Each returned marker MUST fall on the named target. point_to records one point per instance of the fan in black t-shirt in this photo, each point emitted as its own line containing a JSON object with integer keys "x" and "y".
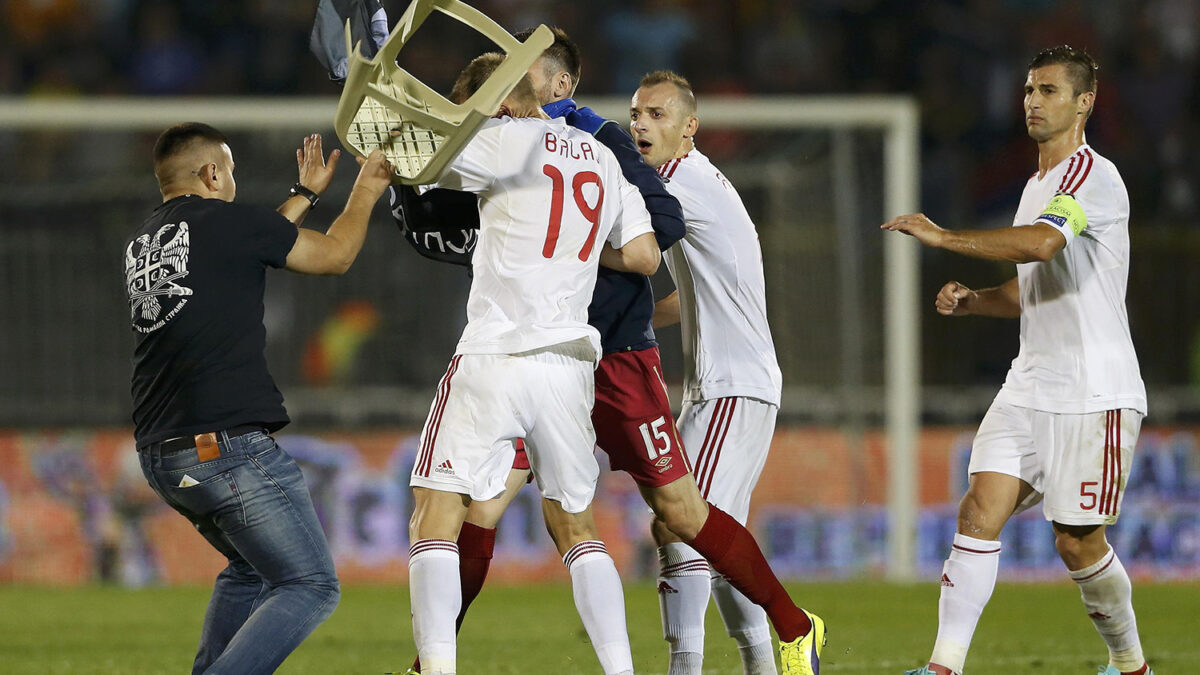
{"x": 195, "y": 273}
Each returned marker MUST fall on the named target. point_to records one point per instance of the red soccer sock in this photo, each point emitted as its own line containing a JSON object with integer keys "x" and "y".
{"x": 731, "y": 550}
{"x": 475, "y": 547}
{"x": 1140, "y": 671}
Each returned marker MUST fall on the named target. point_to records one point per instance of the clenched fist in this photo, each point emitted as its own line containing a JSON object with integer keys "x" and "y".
{"x": 954, "y": 300}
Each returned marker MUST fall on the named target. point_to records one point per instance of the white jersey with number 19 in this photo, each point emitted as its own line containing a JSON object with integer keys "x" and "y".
{"x": 550, "y": 196}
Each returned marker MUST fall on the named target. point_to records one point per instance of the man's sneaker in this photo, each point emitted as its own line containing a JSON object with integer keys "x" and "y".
{"x": 928, "y": 670}
{"x": 802, "y": 656}
{"x": 1112, "y": 670}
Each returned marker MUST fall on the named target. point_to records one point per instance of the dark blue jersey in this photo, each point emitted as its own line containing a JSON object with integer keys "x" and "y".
{"x": 438, "y": 224}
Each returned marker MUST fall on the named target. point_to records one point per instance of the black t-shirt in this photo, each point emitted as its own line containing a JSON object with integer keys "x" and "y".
{"x": 195, "y": 273}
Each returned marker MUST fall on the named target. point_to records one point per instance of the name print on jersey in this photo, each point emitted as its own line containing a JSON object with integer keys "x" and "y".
{"x": 153, "y": 265}
{"x": 566, "y": 148}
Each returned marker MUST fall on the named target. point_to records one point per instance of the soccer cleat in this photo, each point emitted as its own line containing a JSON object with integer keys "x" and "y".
{"x": 802, "y": 656}
{"x": 928, "y": 670}
{"x": 1112, "y": 670}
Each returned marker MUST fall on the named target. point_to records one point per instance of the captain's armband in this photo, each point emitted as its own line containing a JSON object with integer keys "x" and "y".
{"x": 1065, "y": 215}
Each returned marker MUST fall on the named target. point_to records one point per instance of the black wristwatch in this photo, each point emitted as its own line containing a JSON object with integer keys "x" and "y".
{"x": 311, "y": 196}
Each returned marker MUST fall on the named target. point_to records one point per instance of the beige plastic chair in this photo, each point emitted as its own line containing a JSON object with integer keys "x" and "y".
{"x": 380, "y": 97}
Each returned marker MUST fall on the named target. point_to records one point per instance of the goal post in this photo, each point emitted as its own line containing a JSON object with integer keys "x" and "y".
{"x": 896, "y": 119}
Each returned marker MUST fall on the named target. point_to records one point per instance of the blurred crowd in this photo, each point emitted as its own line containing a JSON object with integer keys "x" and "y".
{"x": 963, "y": 59}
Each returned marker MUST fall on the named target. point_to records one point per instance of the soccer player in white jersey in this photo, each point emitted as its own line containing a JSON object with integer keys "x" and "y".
{"x": 1065, "y": 423}
{"x": 731, "y": 382}
{"x": 552, "y": 201}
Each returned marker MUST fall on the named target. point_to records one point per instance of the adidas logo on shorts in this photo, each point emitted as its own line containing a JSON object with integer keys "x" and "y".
{"x": 946, "y": 581}
{"x": 445, "y": 468}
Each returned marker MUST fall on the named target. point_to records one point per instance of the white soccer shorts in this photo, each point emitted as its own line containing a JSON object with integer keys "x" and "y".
{"x": 487, "y": 401}
{"x": 727, "y": 441}
{"x": 1078, "y": 463}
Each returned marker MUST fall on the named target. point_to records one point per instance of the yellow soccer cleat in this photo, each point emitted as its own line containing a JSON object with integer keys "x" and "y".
{"x": 802, "y": 656}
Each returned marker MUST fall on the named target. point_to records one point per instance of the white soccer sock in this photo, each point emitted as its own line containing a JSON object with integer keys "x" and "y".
{"x": 683, "y": 588}
{"x": 747, "y": 624}
{"x": 601, "y": 604}
{"x": 1108, "y": 597}
{"x": 968, "y": 578}
{"x": 435, "y": 597}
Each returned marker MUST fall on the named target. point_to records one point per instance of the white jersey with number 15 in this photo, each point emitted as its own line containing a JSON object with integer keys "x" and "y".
{"x": 550, "y": 196}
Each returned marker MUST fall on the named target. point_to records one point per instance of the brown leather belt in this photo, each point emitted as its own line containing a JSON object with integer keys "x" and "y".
{"x": 206, "y": 444}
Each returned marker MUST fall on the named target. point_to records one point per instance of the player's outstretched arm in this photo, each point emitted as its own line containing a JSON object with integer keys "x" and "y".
{"x": 666, "y": 311}
{"x": 955, "y": 299}
{"x": 640, "y": 256}
{"x": 1022, "y": 244}
{"x": 334, "y": 251}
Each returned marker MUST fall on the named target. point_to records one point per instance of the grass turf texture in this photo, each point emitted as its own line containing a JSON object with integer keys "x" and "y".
{"x": 533, "y": 630}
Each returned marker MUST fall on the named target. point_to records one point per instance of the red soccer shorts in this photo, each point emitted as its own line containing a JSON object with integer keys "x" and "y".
{"x": 633, "y": 420}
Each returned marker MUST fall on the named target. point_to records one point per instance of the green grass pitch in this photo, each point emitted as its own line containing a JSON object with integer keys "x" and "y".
{"x": 533, "y": 630}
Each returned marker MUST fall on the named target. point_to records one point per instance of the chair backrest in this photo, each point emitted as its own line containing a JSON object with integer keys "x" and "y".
{"x": 380, "y": 97}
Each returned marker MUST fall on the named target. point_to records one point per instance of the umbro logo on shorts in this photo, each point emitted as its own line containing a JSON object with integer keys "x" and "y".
{"x": 445, "y": 468}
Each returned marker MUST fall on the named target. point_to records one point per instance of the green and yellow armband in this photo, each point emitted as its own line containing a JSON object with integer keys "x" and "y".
{"x": 1064, "y": 212}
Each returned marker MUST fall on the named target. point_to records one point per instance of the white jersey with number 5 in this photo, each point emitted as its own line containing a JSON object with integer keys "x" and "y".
{"x": 550, "y": 196}
{"x": 1076, "y": 352}
{"x": 718, "y": 270}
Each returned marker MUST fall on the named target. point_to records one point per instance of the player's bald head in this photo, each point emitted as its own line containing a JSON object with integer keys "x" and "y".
{"x": 477, "y": 72}
{"x": 184, "y": 148}
{"x": 686, "y": 98}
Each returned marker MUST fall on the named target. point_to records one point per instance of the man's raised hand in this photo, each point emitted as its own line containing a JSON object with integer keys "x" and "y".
{"x": 315, "y": 173}
{"x": 375, "y": 173}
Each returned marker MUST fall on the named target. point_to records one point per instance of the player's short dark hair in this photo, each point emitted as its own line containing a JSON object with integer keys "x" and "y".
{"x": 670, "y": 77}
{"x": 178, "y": 138}
{"x": 1081, "y": 67}
{"x": 478, "y": 71}
{"x": 563, "y": 52}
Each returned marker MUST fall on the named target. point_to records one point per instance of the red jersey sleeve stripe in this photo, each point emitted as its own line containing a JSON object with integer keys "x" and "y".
{"x": 1087, "y": 168}
{"x": 674, "y": 166}
{"x": 1062, "y": 184}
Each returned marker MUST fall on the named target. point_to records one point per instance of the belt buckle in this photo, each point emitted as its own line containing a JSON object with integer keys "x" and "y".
{"x": 206, "y": 446}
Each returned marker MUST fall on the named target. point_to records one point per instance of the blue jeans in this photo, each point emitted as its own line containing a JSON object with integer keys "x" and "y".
{"x": 252, "y": 505}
